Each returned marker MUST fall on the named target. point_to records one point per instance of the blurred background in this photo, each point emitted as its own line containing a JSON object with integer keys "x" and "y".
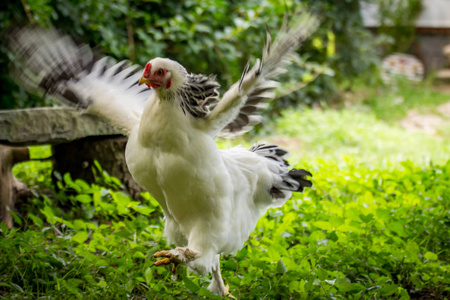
{"x": 384, "y": 61}
{"x": 218, "y": 37}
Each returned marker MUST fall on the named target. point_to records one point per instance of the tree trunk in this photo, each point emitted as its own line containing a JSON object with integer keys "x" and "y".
{"x": 77, "y": 158}
{"x": 10, "y": 188}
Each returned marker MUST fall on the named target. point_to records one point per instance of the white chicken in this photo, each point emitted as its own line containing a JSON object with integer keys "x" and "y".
{"x": 211, "y": 198}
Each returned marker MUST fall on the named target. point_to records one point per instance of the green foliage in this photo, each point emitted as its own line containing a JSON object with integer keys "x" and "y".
{"x": 37, "y": 173}
{"x": 355, "y": 52}
{"x": 84, "y": 243}
{"x": 374, "y": 226}
{"x": 209, "y": 37}
{"x": 359, "y": 233}
{"x": 397, "y": 19}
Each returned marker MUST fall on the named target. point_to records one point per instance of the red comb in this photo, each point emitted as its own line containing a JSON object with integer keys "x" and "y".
{"x": 147, "y": 69}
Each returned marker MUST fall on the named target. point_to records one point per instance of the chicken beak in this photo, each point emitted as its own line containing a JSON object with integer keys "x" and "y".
{"x": 144, "y": 80}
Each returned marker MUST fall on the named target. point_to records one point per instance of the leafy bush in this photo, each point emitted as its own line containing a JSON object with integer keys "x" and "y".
{"x": 209, "y": 37}
{"x": 359, "y": 232}
{"x": 397, "y": 21}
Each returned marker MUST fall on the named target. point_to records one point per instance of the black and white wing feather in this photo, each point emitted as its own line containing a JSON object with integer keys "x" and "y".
{"x": 240, "y": 107}
{"x": 54, "y": 64}
{"x": 250, "y": 113}
{"x": 199, "y": 94}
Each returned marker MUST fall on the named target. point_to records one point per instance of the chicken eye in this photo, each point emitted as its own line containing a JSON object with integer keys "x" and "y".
{"x": 160, "y": 72}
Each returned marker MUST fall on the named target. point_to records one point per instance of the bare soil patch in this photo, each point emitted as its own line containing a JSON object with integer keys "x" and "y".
{"x": 427, "y": 123}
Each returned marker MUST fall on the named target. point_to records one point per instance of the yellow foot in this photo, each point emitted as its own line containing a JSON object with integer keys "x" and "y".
{"x": 167, "y": 260}
{"x": 176, "y": 256}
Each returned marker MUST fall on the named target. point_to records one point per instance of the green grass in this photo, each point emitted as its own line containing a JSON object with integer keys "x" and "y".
{"x": 393, "y": 103}
{"x": 374, "y": 226}
{"x": 333, "y": 135}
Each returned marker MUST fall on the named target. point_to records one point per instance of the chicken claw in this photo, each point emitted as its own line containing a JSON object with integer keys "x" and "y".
{"x": 176, "y": 256}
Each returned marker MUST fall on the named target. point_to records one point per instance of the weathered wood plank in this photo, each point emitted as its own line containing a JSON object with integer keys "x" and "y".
{"x": 49, "y": 125}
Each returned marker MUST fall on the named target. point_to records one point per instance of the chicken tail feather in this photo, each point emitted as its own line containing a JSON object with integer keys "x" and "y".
{"x": 291, "y": 180}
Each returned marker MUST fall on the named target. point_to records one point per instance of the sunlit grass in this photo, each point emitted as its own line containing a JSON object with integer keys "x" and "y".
{"x": 36, "y": 173}
{"x": 392, "y": 103}
{"x": 333, "y": 135}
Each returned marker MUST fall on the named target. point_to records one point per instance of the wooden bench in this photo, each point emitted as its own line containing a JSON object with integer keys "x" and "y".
{"x": 76, "y": 141}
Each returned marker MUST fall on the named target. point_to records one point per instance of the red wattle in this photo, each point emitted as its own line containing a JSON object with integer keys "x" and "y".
{"x": 169, "y": 83}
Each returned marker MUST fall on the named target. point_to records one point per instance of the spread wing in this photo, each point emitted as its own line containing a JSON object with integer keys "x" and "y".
{"x": 241, "y": 106}
{"x": 51, "y": 63}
